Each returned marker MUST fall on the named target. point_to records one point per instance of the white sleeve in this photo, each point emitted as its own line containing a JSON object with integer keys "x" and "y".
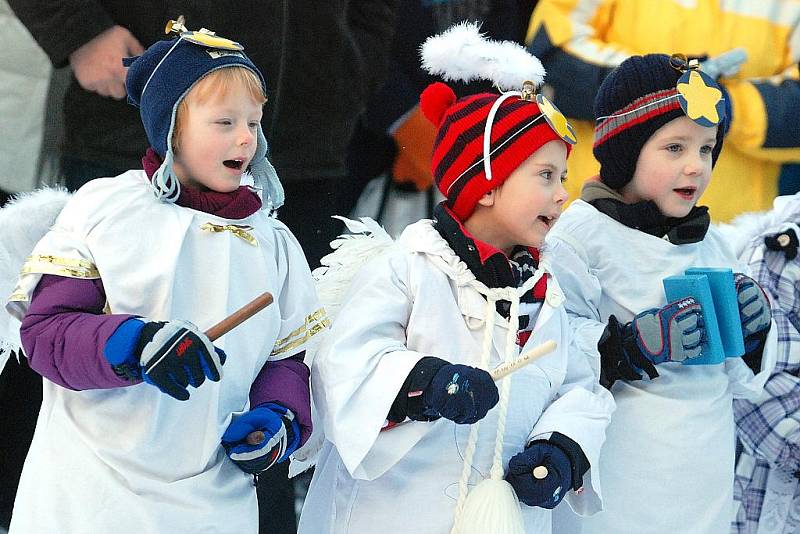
{"x": 302, "y": 316}
{"x": 362, "y": 364}
{"x": 582, "y": 411}
{"x": 583, "y": 293}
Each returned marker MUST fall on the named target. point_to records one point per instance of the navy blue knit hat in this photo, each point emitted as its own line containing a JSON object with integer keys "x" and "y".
{"x": 636, "y": 99}
{"x": 157, "y": 82}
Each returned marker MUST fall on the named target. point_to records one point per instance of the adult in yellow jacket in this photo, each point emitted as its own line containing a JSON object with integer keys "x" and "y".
{"x": 581, "y": 41}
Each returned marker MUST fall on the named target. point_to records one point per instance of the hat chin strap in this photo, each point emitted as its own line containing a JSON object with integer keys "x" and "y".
{"x": 487, "y": 132}
{"x": 166, "y": 186}
{"x": 264, "y": 176}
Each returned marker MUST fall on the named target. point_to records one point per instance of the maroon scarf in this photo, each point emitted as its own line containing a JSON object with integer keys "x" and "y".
{"x": 234, "y": 205}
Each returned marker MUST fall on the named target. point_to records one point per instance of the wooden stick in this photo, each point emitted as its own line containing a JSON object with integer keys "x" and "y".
{"x": 506, "y": 369}
{"x": 239, "y": 316}
{"x": 255, "y": 437}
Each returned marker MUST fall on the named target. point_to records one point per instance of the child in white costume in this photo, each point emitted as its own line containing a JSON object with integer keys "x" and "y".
{"x": 404, "y": 362}
{"x": 106, "y": 299}
{"x": 668, "y": 462}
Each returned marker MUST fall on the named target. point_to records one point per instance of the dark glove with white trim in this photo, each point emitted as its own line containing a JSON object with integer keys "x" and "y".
{"x": 281, "y": 437}
{"x": 169, "y": 355}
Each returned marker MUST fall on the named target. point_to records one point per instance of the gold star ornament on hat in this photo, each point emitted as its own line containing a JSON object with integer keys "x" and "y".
{"x": 557, "y": 121}
{"x": 701, "y": 98}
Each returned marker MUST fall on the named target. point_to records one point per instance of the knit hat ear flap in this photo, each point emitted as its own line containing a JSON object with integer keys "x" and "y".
{"x": 435, "y": 100}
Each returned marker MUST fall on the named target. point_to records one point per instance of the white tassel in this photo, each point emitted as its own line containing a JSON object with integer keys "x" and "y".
{"x": 492, "y": 506}
{"x": 463, "y": 53}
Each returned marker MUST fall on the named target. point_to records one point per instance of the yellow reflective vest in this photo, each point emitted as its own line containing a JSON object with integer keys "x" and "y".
{"x": 580, "y": 41}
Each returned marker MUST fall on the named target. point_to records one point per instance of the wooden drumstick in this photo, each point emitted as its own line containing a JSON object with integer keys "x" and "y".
{"x": 506, "y": 369}
{"x": 239, "y": 316}
{"x": 255, "y": 438}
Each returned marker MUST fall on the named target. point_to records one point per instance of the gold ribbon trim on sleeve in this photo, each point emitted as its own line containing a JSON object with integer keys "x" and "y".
{"x": 314, "y": 324}
{"x": 68, "y": 267}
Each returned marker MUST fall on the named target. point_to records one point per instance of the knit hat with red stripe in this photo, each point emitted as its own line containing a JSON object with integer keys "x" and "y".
{"x": 518, "y": 130}
{"x": 636, "y": 99}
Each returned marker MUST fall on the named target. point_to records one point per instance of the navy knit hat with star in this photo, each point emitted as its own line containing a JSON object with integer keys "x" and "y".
{"x": 636, "y": 99}
{"x": 157, "y": 82}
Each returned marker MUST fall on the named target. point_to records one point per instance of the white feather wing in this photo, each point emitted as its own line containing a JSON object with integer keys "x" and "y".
{"x": 366, "y": 240}
{"x": 463, "y": 53}
{"x": 24, "y": 221}
{"x": 351, "y": 252}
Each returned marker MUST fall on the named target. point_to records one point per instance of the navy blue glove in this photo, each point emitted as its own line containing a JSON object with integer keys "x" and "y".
{"x": 281, "y": 437}
{"x": 541, "y": 475}
{"x": 169, "y": 355}
{"x": 460, "y": 393}
{"x": 754, "y": 310}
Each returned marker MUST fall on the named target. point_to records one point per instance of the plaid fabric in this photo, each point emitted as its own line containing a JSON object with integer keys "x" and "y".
{"x": 767, "y": 488}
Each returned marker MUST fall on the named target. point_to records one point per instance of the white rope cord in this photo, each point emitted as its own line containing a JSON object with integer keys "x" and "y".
{"x": 505, "y": 388}
{"x": 472, "y": 442}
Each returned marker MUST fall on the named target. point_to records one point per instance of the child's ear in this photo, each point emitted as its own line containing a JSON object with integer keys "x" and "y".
{"x": 487, "y": 199}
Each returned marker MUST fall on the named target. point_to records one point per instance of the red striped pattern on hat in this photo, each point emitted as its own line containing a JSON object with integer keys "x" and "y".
{"x": 640, "y": 110}
{"x": 518, "y": 131}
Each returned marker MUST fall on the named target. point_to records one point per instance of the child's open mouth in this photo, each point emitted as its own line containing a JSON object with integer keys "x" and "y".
{"x": 686, "y": 193}
{"x": 548, "y": 221}
{"x": 234, "y": 164}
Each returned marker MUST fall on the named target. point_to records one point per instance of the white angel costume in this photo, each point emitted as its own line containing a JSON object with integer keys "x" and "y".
{"x": 668, "y": 460}
{"x": 132, "y": 459}
{"x": 419, "y": 299}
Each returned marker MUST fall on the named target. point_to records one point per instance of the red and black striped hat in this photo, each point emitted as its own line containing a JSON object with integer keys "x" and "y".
{"x": 636, "y": 99}
{"x": 518, "y": 130}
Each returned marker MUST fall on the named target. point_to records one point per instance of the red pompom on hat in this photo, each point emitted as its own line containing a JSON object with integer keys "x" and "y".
{"x": 435, "y": 100}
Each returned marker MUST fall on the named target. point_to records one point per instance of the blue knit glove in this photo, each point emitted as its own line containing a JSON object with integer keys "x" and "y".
{"x": 754, "y": 309}
{"x": 169, "y": 355}
{"x": 281, "y": 437}
{"x": 541, "y": 475}
{"x": 460, "y": 393}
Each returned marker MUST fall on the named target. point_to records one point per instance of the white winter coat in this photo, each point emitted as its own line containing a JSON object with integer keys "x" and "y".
{"x": 419, "y": 299}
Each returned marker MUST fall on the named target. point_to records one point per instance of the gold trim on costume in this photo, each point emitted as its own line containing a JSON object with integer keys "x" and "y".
{"x": 69, "y": 267}
{"x": 241, "y": 231}
{"x": 314, "y": 324}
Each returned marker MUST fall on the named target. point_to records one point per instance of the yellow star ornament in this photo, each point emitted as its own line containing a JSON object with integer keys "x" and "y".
{"x": 700, "y": 98}
{"x": 557, "y": 121}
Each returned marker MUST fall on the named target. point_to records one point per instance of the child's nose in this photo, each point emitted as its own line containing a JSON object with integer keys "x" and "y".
{"x": 561, "y": 194}
{"x": 694, "y": 165}
{"x": 247, "y": 136}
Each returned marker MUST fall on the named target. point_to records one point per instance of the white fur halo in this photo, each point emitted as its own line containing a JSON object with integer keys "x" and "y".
{"x": 463, "y": 53}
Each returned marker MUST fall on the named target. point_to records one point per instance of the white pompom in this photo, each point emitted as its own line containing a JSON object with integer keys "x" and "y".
{"x": 491, "y": 506}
